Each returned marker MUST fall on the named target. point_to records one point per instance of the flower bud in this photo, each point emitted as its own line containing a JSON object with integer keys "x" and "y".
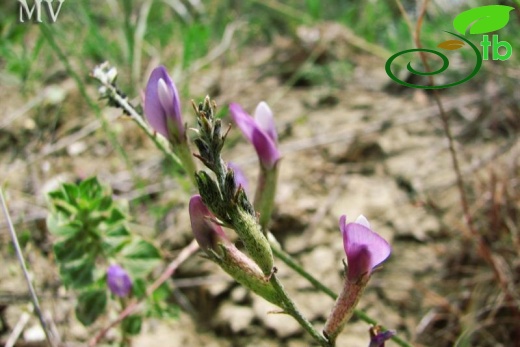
{"x": 162, "y": 106}
{"x": 213, "y": 241}
{"x": 118, "y": 281}
{"x": 378, "y": 338}
{"x": 207, "y": 233}
{"x": 260, "y": 132}
{"x": 365, "y": 250}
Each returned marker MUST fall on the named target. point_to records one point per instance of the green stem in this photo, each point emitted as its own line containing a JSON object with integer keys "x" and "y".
{"x": 289, "y": 261}
{"x": 265, "y": 194}
{"x": 290, "y": 308}
{"x": 344, "y": 306}
{"x": 185, "y": 155}
{"x": 160, "y": 142}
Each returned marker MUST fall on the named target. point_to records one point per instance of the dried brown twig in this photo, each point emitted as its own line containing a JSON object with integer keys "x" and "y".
{"x": 21, "y": 259}
{"x": 472, "y": 233}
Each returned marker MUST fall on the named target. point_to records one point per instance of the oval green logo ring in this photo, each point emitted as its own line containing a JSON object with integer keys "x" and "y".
{"x": 444, "y": 66}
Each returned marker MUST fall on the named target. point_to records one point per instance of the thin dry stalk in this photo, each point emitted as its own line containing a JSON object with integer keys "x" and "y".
{"x": 21, "y": 259}
{"x": 482, "y": 248}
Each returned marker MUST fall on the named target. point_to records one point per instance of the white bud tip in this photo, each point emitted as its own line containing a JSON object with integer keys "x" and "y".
{"x": 363, "y": 221}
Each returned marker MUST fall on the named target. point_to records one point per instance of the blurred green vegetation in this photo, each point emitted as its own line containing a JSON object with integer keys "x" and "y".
{"x": 137, "y": 35}
{"x": 131, "y": 33}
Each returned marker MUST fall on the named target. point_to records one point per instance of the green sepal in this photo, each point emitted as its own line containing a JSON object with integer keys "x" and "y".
{"x": 254, "y": 240}
{"x": 247, "y": 273}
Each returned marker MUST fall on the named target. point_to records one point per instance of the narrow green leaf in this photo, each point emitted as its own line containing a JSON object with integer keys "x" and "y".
{"x": 91, "y": 188}
{"x": 105, "y": 203}
{"x": 139, "y": 268}
{"x": 69, "y": 209}
{"x": 483, "y": 19}
{"x": 78, "y": 274}
{"x": 69, "y": 250}
{"x": 71, "y": 192}
{"x": 140, "y": 249}
{"x": 139, "y": 288}
{"x": 116, "y": 216}
{"x": 57, "y": 195}
{"x": 91, "y": 304}
{"x": 139, "y": 258}
{"x": 115, "y": 239}
{"x": 132, "y": 324}
{"x": 65, "y": 228}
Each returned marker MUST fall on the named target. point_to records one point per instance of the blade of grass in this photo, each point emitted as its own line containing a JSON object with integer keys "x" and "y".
{"x": 21, "y": 260}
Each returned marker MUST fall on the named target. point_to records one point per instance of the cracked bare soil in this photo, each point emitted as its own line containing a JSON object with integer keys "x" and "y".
{"x": 352, "y": 144}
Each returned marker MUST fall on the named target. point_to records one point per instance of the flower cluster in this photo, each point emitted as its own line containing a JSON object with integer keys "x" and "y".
{"x": 222, "y": 201}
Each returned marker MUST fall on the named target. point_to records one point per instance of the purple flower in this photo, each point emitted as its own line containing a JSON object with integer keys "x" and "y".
{"x": 364, "y": 248}
{"x": 240, "y": 177}
{"x": 377, "y": 339}
{"x": 162, "y": 105}
{"x": 118, "y": 281}
{"x": 260, "y": 131}
{"x": 207, "y": 233}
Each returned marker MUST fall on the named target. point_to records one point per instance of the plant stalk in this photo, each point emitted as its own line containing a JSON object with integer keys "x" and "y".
{"x": 265, "y": 194}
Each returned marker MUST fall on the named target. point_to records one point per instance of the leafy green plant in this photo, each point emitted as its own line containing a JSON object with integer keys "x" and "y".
{"x": 91, "y": 233}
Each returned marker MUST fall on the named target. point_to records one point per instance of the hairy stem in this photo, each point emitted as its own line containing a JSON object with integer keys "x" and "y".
{"x": 183, "y": 152}
{"x": 265, "y": 194}
{"x": 289, "y": 261}
{"x": 290, "y": 308}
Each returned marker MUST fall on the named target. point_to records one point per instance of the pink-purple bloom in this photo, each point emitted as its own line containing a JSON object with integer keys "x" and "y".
{"x": 260, "y": 131}
{"x": 207, "y": 233}
{"x": 240, "y": 177}
{"x": 377, "y": 339}
{"x": 364, "y": 248}
{"x": 162, "y": 106}
{"x": 118, "y": 281}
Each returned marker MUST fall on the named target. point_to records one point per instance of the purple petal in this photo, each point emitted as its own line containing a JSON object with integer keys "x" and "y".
{"x": 364, "y": 248}
{"x": 359, "y": 259}
{"x": 240, "y": 177}
{"x": 265, "y": 120}
{"x": 265, "y": 147}
{"x": 379, "y": 339}
{"x": 162, "y": 105}
{"x": 118, "y": 281}
{"x": 243, "y": 120}
{"x": 207, "y": 233}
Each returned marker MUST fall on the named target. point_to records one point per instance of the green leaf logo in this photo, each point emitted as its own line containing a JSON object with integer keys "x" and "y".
{"x": 451, "y": 45}
{"x": 483, "y": 19}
